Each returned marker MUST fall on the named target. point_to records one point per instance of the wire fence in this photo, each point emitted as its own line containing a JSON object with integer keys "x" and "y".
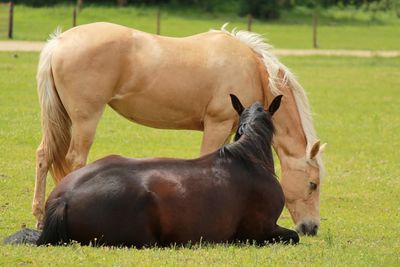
{"x": 7, "y": 21}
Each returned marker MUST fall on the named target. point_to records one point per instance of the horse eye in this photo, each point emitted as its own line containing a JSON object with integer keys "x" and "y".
{"x": 313, "y": 186}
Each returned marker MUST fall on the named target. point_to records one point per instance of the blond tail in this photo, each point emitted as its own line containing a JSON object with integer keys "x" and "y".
{"x": 56, "y": 124}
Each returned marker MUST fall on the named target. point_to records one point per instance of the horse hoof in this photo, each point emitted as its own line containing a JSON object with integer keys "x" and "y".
{"x": 39, "y": 225}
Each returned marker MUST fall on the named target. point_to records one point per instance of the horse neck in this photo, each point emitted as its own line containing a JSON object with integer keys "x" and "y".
{"x": 290, "y": 141}
{"x": 255, "y": 149}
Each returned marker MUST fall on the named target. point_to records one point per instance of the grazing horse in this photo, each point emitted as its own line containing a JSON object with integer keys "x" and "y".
{"x": 229, "y": 195}
{"x": 171, "y": 83}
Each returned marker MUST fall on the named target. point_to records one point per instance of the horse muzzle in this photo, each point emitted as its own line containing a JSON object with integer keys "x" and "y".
{"x": 307, "y": 228}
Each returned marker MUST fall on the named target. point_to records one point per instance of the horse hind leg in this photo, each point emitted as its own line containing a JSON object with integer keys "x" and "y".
{"x": 42, "y": 167}
{"x": 82, "y": 136}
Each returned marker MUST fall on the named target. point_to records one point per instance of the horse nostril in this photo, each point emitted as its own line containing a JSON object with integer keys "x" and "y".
{"x": 314, "y": 230}
{"x": 302, "y": 228}
{"x": 307, "y": 229}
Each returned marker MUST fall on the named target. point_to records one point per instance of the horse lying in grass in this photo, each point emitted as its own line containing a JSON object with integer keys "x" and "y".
{"x": 90, "y": 66}
{"x": 229, "y": 195}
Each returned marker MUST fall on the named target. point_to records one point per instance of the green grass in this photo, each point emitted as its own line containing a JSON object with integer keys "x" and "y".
{"x": 339, "y": 29}
{"x": 356, "y": 105}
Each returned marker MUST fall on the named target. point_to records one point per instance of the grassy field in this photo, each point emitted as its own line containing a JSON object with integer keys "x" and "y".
{"x": 338, "y": 30}
{"x": 356, "y": 105}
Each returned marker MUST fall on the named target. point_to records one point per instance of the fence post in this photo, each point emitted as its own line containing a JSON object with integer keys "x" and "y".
{"x": 79, "y": 4}
{"x": 11, "y": 20}
{"x": 249, "y": 22}
{"x": 314, "y": 25}
{"x": 158, "y": 21}
{"x": 74, "y": 17}
{"x": 122, "y": 2}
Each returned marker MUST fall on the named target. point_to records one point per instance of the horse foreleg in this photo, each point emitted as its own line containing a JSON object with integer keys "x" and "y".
{"x": 284, "y": 236}
{"x": 42, "y": 167}
{"x": 216, "y": 134}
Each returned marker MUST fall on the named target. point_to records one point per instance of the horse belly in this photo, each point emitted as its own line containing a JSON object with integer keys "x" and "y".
{"x": 209, "y": 217}
{"x": 155, "y": 111}
{"x": 184, "y": 231}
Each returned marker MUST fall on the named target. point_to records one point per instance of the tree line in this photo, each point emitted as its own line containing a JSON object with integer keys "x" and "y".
{"x": 263, "y": 9}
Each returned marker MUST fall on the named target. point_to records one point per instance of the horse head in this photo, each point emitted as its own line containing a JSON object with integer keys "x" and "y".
{"x": 301, "y": 185}
{"x": 255, "y": 114}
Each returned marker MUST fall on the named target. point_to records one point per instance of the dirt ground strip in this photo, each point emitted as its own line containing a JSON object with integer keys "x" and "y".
{"x": 27, "y": 46}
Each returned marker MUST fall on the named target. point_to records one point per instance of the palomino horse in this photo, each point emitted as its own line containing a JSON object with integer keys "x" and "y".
{"x": 160, "y": 201}
{"x": 175, "y": 83}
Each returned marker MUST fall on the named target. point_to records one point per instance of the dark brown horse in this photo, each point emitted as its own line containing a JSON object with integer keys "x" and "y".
{"x": 226, "y": 196}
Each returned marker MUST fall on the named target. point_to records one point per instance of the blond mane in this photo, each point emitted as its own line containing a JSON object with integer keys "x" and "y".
{"x": 273, "y": 66}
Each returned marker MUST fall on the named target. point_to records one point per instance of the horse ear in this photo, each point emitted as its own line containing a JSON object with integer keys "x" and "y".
{"x": 322, "y": 148}
{"x": 314, "y": 149}
{"x": 236, "y": 104}
{"x": 275, "y": 104}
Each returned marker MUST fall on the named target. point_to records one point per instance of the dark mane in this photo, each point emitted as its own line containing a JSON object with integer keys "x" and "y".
{"x": 253, "y": 138}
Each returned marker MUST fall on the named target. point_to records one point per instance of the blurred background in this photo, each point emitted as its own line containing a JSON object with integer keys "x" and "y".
{"x": 301, "y": 24}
